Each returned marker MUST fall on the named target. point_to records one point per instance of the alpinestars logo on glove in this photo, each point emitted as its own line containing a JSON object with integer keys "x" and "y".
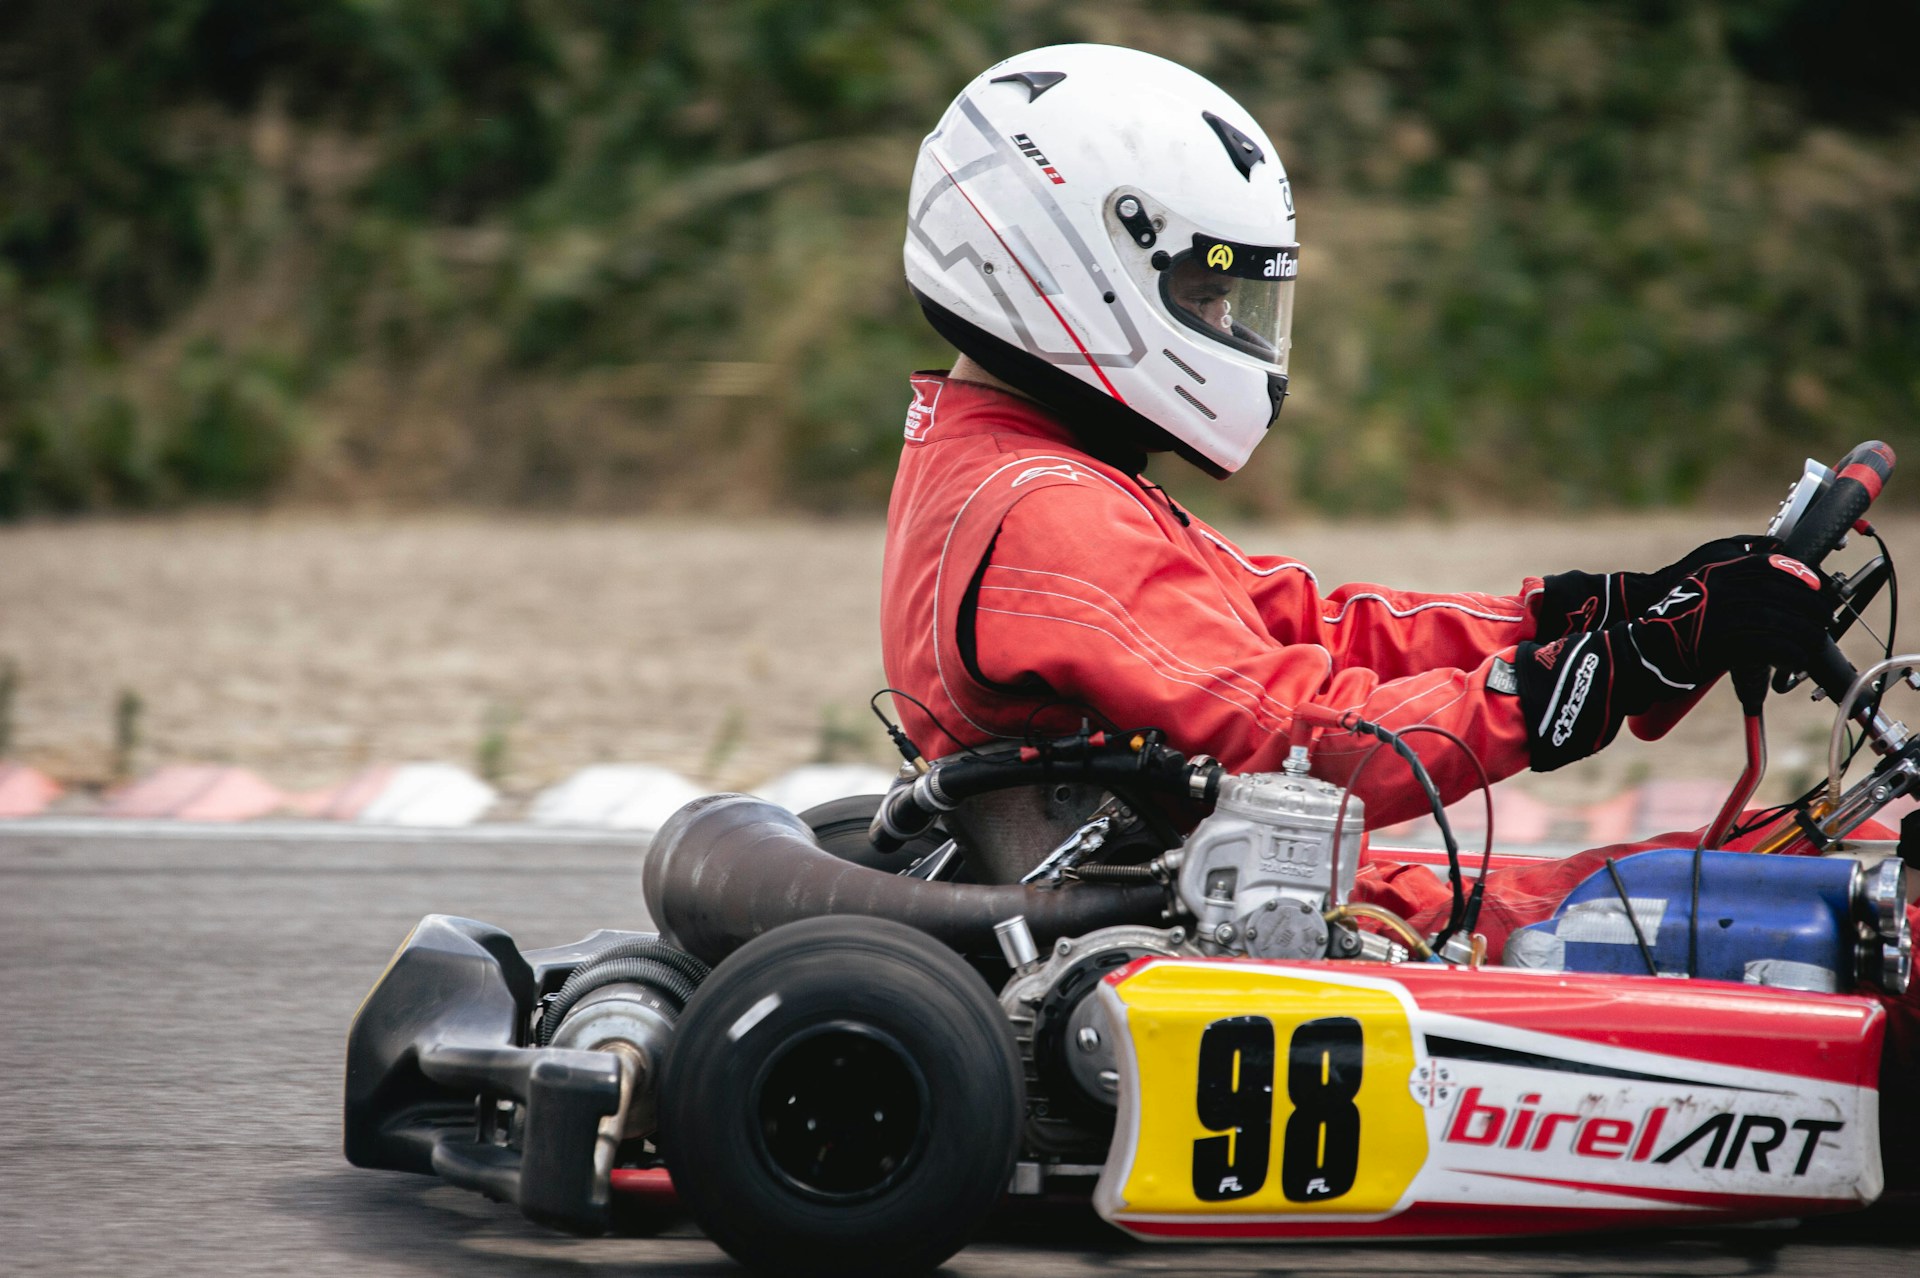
{"x": 1576, "y": 698}
{"x": 1583, "y": 618}
{"x": 1795, "y": 568}
{"x": 1679, "y": 596}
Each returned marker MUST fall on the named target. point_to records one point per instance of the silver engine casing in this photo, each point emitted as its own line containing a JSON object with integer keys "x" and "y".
{"x": 1258, "y": 873}
{"x": 1072, "y": 1078}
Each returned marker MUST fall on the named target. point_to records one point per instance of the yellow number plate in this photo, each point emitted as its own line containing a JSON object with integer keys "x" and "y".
{"x": 1261, "y": 1090}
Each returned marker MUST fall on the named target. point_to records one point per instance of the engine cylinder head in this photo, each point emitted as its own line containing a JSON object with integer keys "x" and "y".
{"x": 1257, "y": 874}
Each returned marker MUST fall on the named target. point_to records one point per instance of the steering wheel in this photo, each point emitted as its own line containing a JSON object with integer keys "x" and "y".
{"x": 1823, "y": 507}
{"x": 1827, "y": 502}
{"x": 1815, "y": 527}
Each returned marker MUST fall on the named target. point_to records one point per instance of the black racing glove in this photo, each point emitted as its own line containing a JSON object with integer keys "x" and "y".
{"x": 1572, "y": 602}
{"x": 1754, "y": 610}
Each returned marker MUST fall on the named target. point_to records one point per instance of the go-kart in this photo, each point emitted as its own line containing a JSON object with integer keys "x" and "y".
{"x": 859, "y": 1028}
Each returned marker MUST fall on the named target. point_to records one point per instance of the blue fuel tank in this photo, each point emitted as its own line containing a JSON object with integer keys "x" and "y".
{"x": 1764, "y": 920}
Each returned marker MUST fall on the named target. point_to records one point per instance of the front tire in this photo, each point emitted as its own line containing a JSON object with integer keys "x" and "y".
{"x": 843, "y": 1097}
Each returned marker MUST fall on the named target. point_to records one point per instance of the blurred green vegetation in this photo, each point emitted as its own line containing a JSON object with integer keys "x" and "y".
{"x": 621, "y": 254}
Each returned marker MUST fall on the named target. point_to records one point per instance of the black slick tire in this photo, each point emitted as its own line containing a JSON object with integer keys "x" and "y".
{"x": 843, "y": 1097}
{"x": 840, "y": 826}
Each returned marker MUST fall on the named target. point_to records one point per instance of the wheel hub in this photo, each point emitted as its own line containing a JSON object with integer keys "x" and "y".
{"x": 841, "y": 1112}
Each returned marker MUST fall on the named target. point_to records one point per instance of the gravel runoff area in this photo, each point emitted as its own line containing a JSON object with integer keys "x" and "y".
{"x": 306, "y": 646}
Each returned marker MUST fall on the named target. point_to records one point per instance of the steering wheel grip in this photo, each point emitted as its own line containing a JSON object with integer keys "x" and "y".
{"x": 1857, "y": 481}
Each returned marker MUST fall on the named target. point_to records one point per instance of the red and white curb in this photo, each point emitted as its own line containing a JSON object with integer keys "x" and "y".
{"x": 635, "y": 800}
{"x": 25, "y": 791}
{"x": 615, "y": 796}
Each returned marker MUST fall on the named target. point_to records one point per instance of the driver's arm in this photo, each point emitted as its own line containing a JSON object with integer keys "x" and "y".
{"x": 1393, "y": 633}
{"x": 1138, "y": 623}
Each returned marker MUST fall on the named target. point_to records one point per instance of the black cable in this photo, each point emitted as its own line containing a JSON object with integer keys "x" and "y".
{"x": 1471, "y": 916}
{"x": 1454, "y": 875}
{"x": 1626, "y": 903}
{"x": 1186, "y": 520}
{"x": 1026, "y": 729}
{"x": 1767, "y": 816}
{"x": 1893, "y": 594}
{"x": 1388, "y": 737}
{"x": 897, "y": 735}
{"x": 1693, "y": 918}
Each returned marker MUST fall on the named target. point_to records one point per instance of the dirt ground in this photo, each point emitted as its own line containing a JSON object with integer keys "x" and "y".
{"x": 306, "y": 646}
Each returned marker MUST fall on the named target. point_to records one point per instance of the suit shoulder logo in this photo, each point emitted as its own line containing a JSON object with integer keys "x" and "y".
{"x": 1065, "y": 471}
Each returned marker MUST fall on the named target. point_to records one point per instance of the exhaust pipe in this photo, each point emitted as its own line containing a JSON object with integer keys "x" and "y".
{"x": 727, "y": 867}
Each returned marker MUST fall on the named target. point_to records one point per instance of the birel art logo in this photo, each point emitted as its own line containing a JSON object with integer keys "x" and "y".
{"x": 1032, "y": 152}
{"x": 1723, "y": 1139}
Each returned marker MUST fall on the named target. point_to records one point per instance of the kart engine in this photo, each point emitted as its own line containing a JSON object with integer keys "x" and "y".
{"x": 1072, "y": 1079}
{"x": 1257, "y": 874}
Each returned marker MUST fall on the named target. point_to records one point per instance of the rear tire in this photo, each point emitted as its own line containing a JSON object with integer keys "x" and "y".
{"x": 840, "y": 826}
{"x": 843, "y": 1097}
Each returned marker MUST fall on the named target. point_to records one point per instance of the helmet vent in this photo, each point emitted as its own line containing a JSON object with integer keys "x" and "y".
{"x": 1184, "y": 367}
{"x": 1245, "y": 151}
{"x": 1187, "y": 395}
{"x": 1037, "y": 82}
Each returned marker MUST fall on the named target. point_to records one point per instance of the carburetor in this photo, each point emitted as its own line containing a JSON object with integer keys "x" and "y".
{"x": 1257, "y": 874}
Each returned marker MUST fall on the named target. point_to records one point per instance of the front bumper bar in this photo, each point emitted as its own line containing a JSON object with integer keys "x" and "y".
{"x": 440, "y": 1081}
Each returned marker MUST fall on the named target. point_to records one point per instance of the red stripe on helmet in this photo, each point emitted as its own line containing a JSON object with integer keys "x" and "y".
{"x": 1071, "y": 335}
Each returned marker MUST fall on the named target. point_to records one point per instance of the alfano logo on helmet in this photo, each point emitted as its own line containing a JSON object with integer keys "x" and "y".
{"x": 1248, "y": 261}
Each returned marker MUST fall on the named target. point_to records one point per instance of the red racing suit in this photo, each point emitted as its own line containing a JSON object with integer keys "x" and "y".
{"x": 1022, "y": 573}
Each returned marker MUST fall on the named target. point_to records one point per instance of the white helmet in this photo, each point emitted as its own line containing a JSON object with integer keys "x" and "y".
{"x": 1114, "y": 235}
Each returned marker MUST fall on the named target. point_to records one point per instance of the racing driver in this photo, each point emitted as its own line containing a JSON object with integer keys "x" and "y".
{"x": 1109, "y": 241}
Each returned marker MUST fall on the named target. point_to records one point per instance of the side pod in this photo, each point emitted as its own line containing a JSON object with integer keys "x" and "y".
{"x": 434, "y": 1049}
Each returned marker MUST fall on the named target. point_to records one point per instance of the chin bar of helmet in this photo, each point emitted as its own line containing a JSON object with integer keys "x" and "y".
{"x": 1140, "y": 760}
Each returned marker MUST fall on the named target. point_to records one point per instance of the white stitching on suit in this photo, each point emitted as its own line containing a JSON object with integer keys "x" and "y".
{"x": 1243, "y": 561}
{"x": 939, "y": 577}
{"x": 1257, "y": 687}
{"x": 1250, "y": 711}
{"x": 1382, "y": 600}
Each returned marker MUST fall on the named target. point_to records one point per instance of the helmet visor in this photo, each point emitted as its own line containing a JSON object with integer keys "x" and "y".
{"x": 1240, "y": 295}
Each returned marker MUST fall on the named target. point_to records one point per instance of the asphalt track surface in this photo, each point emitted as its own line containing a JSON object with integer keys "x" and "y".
{"x": 175, "y": 1012}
